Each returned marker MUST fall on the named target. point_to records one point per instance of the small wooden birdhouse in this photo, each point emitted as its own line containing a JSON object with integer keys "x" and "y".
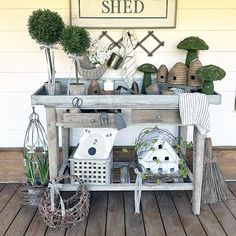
{"x": 160, "y": 159}
{"x": 162, "y": 74}
{"x": 178, "y": 74}
{"x": 193, "y": 79}
{"x": 95, "y": 143}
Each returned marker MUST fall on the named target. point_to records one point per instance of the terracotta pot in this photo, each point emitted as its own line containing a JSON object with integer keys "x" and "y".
{"x": 77, "y": 89}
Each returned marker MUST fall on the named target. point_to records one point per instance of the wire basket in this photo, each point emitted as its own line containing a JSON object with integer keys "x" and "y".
{"x": 30, "y": 195}
{"x": 76, "y": 204}
{"x": 87, "y": 70}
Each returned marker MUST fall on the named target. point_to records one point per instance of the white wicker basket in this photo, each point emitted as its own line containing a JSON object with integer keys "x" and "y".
{"x": 92, "y": 171}
{"x": 88, "y": 71}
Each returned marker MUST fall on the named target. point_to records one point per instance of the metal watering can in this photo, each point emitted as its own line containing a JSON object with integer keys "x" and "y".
{"x": 116, "y": 60}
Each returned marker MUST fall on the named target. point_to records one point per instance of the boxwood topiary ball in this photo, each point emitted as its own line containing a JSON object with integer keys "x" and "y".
{"x": 75, "y": 40}
{"x": 45, "y": 26}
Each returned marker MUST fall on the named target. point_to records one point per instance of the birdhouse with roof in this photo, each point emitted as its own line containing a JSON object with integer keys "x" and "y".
{"x": 161, "y": 158}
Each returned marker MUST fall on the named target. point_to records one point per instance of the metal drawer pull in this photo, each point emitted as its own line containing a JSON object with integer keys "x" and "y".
{"x": 92, "y": 121}
{"x": 158, "y": 117}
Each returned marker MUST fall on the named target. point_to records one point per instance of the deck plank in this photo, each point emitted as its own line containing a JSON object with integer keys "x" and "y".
{"x": 208, "y": 220}
{"x": 9, "y": 212}
{"x": 6, "y": 194}
{"x": 36, "y": 227}
{"x": 151, "y": 215}
{"x": 22, "y": 221}
{"x": 190, "y": 222}
{"x": 115, "y": 214}
{"x": 169, "y": 214}
{"x": 111, "y": 214}
{"x": 232, "y": 187}
{"x": 133, "y": 222}
{"x": 225, "y": 217}
{"x": 2, "y": 185}
{"x": 97, "y": 216}
{"x": 78, "y": 230}
{"x": 55, "y": 232}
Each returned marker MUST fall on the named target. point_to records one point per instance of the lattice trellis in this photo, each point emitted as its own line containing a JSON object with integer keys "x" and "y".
{"x": 117, "y": 43}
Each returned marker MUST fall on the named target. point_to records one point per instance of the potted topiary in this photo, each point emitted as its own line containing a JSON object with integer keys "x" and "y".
{"x": 75, "y": 41}
{"x": 46, "y": 27}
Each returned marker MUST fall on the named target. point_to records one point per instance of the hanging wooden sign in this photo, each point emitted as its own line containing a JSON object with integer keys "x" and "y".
{"x": 123, "y": 13}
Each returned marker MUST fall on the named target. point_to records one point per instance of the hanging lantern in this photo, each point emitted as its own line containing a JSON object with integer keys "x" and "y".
{"x": 36, "y": 152}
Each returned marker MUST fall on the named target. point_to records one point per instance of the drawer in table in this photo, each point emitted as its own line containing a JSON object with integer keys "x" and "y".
{"x": 155, "y": 116}
{"x": 87, "y": 120}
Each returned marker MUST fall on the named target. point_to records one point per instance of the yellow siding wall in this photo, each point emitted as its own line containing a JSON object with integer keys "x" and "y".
{"x": 23, "y": 66}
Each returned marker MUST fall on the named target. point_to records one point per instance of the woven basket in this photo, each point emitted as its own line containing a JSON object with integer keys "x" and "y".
{"x": 76, "y": 205}
{"x": 178, "y": 74}
{"x": 194, "y": 80}
{"x": 87, "y": 70}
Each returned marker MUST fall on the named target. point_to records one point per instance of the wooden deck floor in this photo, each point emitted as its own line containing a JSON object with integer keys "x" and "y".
{"x": 163, "y": 213}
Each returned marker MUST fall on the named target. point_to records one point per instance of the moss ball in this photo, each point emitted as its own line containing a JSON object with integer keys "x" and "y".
{"x": 45, "y": 26}
{"x": 75, "y": 40}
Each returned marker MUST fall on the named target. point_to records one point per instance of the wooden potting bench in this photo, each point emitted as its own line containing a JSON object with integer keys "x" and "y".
{"x": 137, "y": 109}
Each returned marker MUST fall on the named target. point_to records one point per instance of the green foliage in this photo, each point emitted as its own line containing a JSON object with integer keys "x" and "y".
{"x": 45, "y": 26}
{"x": 43, "y": 169}
{"x": 183, "y": 170}
{"x": 30, "y": 169}
{"x": 75, "y": 40}
{"x": 36, "y": 167}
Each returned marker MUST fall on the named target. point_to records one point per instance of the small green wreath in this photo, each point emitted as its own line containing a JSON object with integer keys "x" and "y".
{"x": 75, "y": 40}
{"x": 45, "y": 26}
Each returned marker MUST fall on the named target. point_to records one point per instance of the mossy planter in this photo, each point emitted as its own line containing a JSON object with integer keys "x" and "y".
{"x": 57, "y": 90}
{"x": 77, "y": 89}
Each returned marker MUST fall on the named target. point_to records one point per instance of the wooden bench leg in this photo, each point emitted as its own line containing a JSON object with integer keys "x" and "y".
{"x": 52, "y": 133}
{"x": 65, "y": 144}
{"x": 198, "y": 157}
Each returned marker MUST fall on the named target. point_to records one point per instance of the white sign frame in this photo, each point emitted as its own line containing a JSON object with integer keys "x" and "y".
{"x": 101, "y": 15}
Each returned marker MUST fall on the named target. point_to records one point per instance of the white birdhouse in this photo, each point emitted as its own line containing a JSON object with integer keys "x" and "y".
{"x": 95, "y": 143}
{"x": 162, "y": 159}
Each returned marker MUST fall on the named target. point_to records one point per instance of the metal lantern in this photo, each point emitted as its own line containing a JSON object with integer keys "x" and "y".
{"x": 36, "y": 152}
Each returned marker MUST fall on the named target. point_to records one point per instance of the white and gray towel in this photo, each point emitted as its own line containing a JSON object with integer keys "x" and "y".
{"x": 193, "y": 108}
{"x": 127, "y": 51}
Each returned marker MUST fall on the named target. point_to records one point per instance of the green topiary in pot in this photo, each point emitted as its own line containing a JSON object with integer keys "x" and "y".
{"x": 45, "y": 27}
{"x": 75, "y": 41}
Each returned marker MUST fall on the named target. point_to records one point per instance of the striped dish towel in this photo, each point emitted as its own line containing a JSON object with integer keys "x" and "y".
{"x": 127, "y": 51}
{"x": 193, "y": 108}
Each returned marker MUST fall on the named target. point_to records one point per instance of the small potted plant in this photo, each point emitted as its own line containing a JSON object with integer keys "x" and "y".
{"x": 35, "y": 157}
{"x": 75, "y": 42}
{"x": 46, "y": 27}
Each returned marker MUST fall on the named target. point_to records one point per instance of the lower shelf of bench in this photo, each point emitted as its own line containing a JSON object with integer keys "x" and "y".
{"x": 131, "y": 187}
